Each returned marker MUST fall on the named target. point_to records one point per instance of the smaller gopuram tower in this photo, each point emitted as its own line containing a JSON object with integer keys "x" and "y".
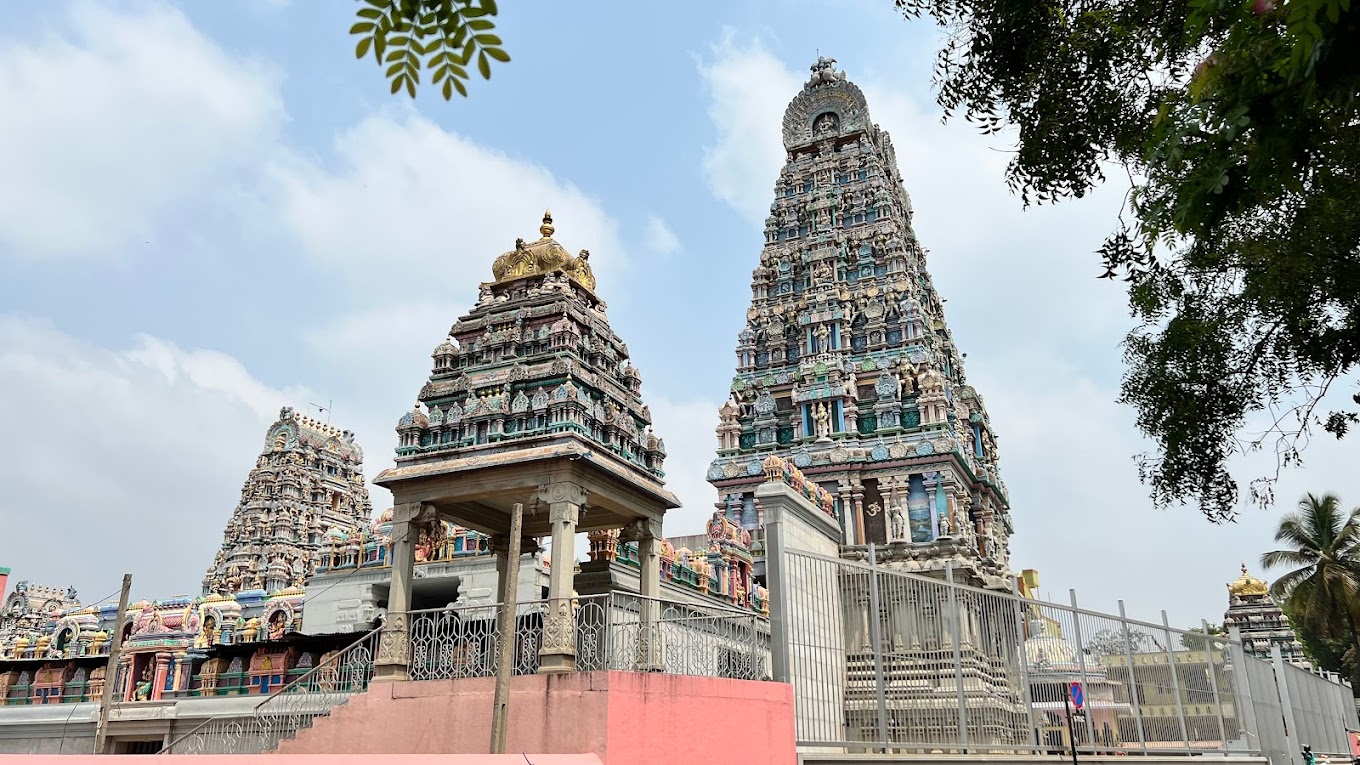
{"x": 1261, "y": 621}
{"x": 308, "y": 480}
{"x": 531, "y": 400}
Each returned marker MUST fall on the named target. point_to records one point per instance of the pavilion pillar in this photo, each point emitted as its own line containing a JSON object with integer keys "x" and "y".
{"x": 394, "y": 644}
{"x": 158, "y": 679}
{"x": 558, "y": 653}
{"x": 647, "y": 531}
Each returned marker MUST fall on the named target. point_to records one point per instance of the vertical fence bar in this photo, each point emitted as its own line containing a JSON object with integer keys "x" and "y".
{"x": 1175, "y": 682}
{"x": 1209, "y": 650}
{"x": 876, "y": 640}
{"x": 1021, "y": 633}
{"x": 958, "y": 655}
{"x": 1081, "y": 668}
{"x": 1291, "y": 728}
{"x": 1244, "y": 699}
{"x": 1133, "y": 682}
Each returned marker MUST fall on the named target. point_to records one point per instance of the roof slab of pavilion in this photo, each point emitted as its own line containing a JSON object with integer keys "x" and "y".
{"x": 478, "y": 490}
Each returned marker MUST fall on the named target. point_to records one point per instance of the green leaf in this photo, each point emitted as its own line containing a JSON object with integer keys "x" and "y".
{"x": 370, "y": 13}
{"x": 362, "y": 28}
{"x": 361, "y": 49}
{"x": 484, "y": 66}
{"x": 411, "y": 86}
{"x": 489, "y": 6}
{"x": 396, "y": 84}
{"x": 498, "y": 54}
{"x": 488, "y": 40}
{"x": 448, "y": 90}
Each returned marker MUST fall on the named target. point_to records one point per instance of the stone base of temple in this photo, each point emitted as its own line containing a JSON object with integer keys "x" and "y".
{"x": 623, "y": 717}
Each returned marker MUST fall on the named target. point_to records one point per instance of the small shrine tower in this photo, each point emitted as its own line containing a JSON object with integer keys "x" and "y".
{"x": 308, "y": 480}
{"x": 531, "y": 400}
{"x": 1261, "y": 621}
{"x": 845, "y": 364}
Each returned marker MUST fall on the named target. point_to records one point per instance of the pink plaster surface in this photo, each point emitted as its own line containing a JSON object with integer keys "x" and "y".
{"x": 307, "y": 759}
{"x": 623, "y": 717}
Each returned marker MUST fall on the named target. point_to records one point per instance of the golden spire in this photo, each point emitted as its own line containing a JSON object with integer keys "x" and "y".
{"x": 1246, "y": 584}
{"x": 545, "y": 256}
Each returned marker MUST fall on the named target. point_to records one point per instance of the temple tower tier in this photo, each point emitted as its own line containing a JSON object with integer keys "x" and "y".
{"x": 307, "y": 484}
{"x": 846, "y": 365}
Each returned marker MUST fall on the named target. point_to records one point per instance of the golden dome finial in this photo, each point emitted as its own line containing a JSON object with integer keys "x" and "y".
{"x": 547, "y": 228}
{"x": 1246, "y": 584}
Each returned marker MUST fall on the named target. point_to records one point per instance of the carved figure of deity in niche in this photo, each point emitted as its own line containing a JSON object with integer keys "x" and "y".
{"x": 826, "y": 124}
{"x": 142, "y": 691}
{"x": 823, "y": 339}
{"x": 822, "y": 419}
{"x": 898, "y": 521}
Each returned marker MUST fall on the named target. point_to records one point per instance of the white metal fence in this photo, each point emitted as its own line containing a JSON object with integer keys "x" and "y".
{"x": 612, "y": 631}
{"x": 885, "y": 660}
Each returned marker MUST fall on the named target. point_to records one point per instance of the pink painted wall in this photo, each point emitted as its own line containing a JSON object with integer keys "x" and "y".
{"x": 624, "y": 717}
{"x": 303, "y": 760}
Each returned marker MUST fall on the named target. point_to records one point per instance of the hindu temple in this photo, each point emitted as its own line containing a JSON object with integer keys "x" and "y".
{"x": 845, "y": 364}
{"x": 307, "y": 486}
{"x": 1263, "y": 625}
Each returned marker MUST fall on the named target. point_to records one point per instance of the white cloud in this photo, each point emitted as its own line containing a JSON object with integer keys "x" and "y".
{"x": 414, "y": 211}
{"x": 660, "y": 237}
{"x": 749, "y": 89}
{"x": 134, "y": 458}
{"x": 687, "y": 427}
{"x": 110, "y": 125}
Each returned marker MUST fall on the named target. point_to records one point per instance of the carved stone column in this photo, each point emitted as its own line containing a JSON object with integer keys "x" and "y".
{"x": 647, "y": 533}
{"x": 394, "y": 644}
{"x": 558, "y": 653}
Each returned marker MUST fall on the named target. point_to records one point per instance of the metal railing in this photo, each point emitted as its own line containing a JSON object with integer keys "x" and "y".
{"x": 292, "y": 709}
{"x": 611, "y": 632}
{"x": 883, "y": 660}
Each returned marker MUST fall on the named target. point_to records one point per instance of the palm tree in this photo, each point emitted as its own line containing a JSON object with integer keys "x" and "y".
{"x": 1323, "y": 589}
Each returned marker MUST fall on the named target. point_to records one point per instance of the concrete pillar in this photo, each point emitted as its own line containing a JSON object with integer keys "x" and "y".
{"x": 558, "y": 653}
{"x": 394, "y": 644}
{"x": 648, "y": 533}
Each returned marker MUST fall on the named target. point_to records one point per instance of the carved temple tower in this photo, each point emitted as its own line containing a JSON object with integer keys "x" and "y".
{"x": 308, "y": 480}
{"x": 846, "y": 365}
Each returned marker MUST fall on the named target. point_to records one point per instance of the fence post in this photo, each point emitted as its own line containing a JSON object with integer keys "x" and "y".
{"x": 1244, "y": 705}
{"x": 1133, "y": 682}
{"x": 958, "y": 655}
{"x": 1291, "y": 730}
{"x": 1081, "y": 669}
{"x": 1175, "y": 682}
{"x": 876, "y": 641}
{"x": 1021, "y": 631}
{"x": 777, "y": 576}
{"x": 1209, "y": 651}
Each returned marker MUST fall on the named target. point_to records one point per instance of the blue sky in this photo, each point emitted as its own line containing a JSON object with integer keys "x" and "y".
{"x": 211, "y": 210}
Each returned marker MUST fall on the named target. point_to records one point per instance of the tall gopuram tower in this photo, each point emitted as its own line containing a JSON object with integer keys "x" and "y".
{"x": 308, "y": 480}
{"x": 846, "y": 366}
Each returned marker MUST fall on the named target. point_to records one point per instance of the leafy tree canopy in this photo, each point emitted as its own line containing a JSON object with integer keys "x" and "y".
{"x": 443, "y": 37}
{"x": 1235, "y": 123}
